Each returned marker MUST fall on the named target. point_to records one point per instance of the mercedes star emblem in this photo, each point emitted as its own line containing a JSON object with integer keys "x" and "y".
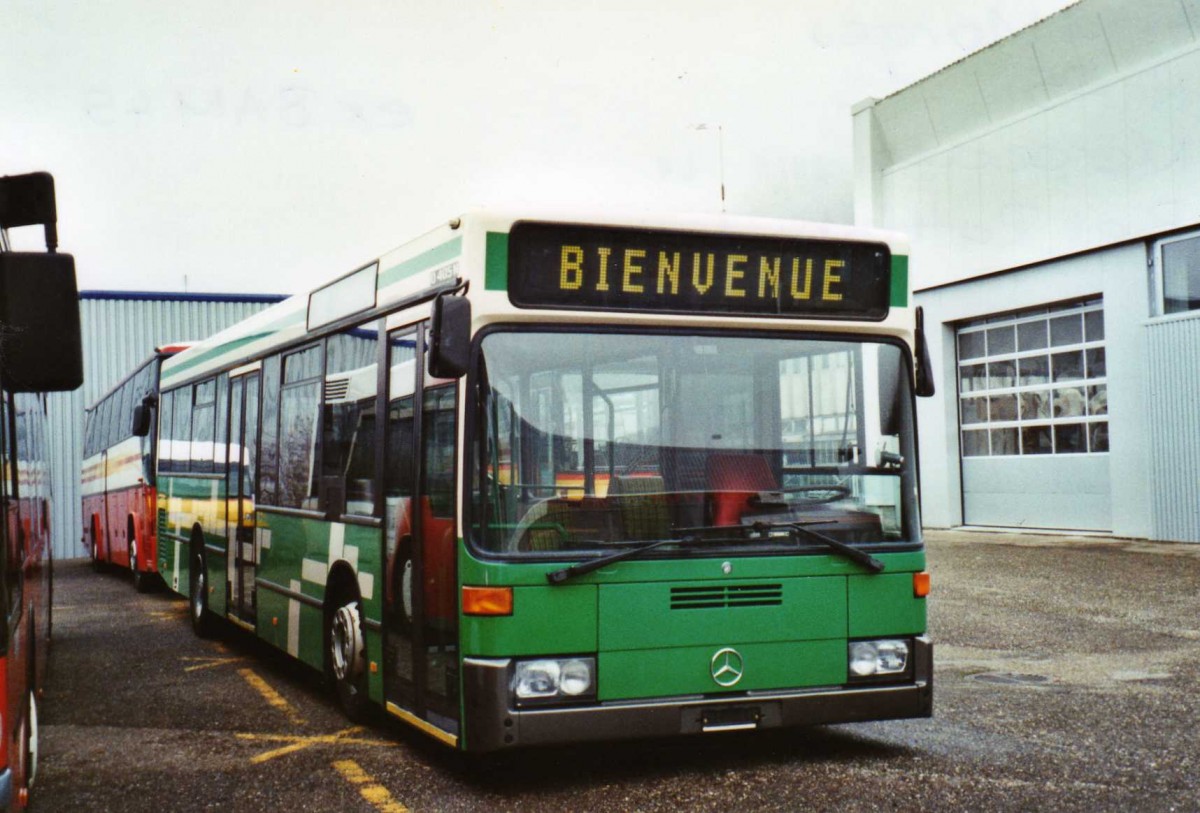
{"x": 727, "y": 667}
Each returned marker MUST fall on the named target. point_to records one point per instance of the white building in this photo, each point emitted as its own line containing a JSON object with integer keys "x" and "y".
{"x": 1050, "y": 184}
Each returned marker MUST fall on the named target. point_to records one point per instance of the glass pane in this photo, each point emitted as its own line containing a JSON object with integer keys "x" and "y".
{"x": 974, "y": 410}
{"x": 1070, "y": 438}
{"x": 302, "y": 366}
{"x": 1035, "y": 405}
{"x": 269, "y": 465}
{"x": 1093, "y": 326}
{"x": 1036, "y": 440}
{"x": 972, "y": 378}
{"x": 1002, "y": 374}
{"x": 1068, "y": 366}
{"x": 1181, "y": 275}
{"x": 975, "y": 443}
{"x": 1095, "y": 363}
{"x": 1069, "y": 402}
{"x": 348, "y": 423}
{"x": 1066, "y": 330}
{"x": 1032, "y": 335}
{"x": 590, "y": 438}
{"x": 1005, "y": 441}
{"x": 1001, "y": 340}
{"x": 1004, "y": 407}
{"x": 1099, "y": 436}
{"x": 299, "y": 407}
{"x": 1098, "y": 400}
{"x": 970, "y": 345}
{"x": 1033, "y": 370}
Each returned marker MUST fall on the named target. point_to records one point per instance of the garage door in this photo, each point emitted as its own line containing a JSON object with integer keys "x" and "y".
{"x": 1033, "y": 417}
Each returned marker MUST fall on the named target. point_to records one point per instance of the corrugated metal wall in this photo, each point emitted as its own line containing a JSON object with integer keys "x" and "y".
{"x": 1173, "y": 349}
{"x": 119, "y": 331}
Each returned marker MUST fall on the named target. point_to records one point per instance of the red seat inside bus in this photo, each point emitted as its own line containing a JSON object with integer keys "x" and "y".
{"x": 733, "y": 480}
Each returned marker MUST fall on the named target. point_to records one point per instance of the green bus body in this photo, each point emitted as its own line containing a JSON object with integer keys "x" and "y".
{"x": 702, "y": 634}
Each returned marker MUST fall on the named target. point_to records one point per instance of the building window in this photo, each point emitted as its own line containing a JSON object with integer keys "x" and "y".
{"x": 1034, "y": 383}
{"x": 1178, "y": 260}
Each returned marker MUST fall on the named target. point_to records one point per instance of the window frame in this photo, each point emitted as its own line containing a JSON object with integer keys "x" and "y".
{"x": 1158, "y": 276}
{"x": 985, "y": 395}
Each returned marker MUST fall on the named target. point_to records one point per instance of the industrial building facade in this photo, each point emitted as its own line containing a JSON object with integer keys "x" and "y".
{"x": 1050, "y": 185}
{"x": 120, "y": 329}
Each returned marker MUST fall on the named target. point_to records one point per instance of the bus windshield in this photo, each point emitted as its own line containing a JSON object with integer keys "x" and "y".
{"x": 589, "y": 441}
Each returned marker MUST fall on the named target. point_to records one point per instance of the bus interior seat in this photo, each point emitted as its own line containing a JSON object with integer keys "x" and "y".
{"x": 643, "y": 506}
{"x": 544, "y": 526}
{"x": 733, "y": 480}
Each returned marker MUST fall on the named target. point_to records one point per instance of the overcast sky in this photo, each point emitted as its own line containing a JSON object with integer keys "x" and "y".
{"x": 268, "y": 146}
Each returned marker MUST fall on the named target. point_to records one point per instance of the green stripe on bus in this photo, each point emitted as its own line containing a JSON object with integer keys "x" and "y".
{"x": 415, "y": 265}
{"x": 234, "y": 344}
{"x": 899, "y": 281}
{"x": 495, "y": 275}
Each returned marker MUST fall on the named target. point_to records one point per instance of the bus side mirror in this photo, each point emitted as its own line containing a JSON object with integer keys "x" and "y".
{"x": 925, "y": 386}
{"x": 450, "y": 337}
{"x": 142, "y": 414}
{"x": 39, "y": 323}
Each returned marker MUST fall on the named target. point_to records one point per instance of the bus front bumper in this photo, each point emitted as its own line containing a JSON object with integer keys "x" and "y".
{"x": 492, "y": 724}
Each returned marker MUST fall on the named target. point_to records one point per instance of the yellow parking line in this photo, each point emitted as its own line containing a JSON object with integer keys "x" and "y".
{"x": 208, "y": 663}
{"x": 274, "y": 698}
{"x": 368, "y": 788}
{"x": 297, "y": 743}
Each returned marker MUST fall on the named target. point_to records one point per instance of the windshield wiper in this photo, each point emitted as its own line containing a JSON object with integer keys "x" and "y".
{"x": 796, "y": 528}
{"x": 849, "y": 551}
{"x": 560, "y": 576}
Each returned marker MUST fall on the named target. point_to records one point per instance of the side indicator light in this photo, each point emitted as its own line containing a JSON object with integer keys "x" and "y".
{"x": 921, "y": 584}
{"x": 487, "y": 600}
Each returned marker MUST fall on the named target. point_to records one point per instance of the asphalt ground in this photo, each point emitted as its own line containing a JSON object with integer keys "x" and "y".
{"x": 1066, "y": 679}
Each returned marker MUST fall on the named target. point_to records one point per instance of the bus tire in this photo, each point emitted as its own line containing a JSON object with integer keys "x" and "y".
{"x": 404, "y": 587}
{"x": 346, "y": 656}
{"x": 97, "y": 564}
{"x": 141, "y": 579}
{"x": 201, "y": 618}
{"x": 30, "y": 740}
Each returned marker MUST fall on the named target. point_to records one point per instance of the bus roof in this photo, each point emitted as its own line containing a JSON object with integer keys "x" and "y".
{"x": 472, "y": 249}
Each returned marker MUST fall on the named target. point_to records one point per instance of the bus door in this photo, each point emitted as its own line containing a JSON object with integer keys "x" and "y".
{"x": 421, "y": 607}
{"x": 240, "y": 481}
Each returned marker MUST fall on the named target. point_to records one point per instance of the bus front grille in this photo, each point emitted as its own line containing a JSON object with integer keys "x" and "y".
{"x": 726, "y": 596}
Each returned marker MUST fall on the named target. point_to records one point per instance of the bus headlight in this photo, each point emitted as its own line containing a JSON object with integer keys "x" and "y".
{"x": 878, "y": 658}
{"x": 550, "y": 679}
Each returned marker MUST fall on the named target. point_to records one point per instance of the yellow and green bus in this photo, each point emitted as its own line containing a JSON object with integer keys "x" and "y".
{"x": 533, "y": 478}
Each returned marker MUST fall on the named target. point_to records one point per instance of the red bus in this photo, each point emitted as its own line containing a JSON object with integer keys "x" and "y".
{"x": 39, "y": 353}
{"x": 120, "y": 444}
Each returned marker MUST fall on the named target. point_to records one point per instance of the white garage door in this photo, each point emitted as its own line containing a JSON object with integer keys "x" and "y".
{"x": 1033, "y": 416}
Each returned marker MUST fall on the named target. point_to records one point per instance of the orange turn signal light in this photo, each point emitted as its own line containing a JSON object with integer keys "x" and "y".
{"x": 487, "y": 600}
{"x": 921, "y": 584}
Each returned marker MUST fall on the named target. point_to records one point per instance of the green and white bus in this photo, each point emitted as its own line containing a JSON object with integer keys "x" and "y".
{"x": 532, "y": 479}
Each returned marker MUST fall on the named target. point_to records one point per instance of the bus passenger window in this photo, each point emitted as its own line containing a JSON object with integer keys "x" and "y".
{"x": 347, "y": 441}
{"x": 298, "y": 414}
{"x": 268, "y": 473}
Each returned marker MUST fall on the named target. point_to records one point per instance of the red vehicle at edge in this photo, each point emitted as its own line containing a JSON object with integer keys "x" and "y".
{"x": 39, "y": 353}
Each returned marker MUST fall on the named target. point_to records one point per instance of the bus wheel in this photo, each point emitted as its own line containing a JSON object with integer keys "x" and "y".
{"x": 97, "y": 565}
{"x": 29, "y": 752}
{"x": 198, "y": 598}
{"x": 348, "y": 658}
{"x": 141, "y": 580}
{"x": 31, "y": 742}
{"x": 406, "y": 590}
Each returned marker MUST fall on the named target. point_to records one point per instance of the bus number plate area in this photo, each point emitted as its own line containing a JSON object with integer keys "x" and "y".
{"x": 742, "y": 717}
